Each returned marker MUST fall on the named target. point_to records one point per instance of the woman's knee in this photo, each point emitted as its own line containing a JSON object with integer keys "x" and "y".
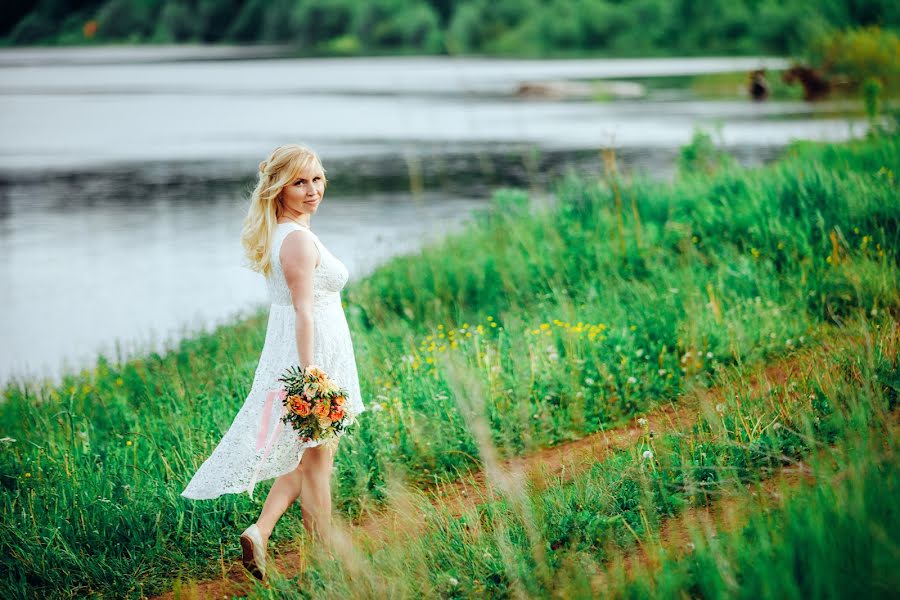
{"x": 317, "y": 461}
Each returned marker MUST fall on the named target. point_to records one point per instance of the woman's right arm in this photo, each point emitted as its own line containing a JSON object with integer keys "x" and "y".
{"x": 298, "y": 261}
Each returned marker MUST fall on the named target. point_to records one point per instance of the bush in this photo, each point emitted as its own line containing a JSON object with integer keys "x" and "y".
{"x": 858, "y": 54}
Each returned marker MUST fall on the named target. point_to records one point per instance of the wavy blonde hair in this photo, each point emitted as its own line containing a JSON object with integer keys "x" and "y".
{"x": 283, "y": 166}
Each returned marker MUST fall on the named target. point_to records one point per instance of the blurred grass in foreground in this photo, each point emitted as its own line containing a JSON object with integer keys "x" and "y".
{"x": 574, "y": 317}
{"x": 832, "y": 421}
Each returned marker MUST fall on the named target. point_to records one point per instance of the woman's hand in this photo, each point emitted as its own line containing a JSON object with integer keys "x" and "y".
{"x": 299, "y": 257}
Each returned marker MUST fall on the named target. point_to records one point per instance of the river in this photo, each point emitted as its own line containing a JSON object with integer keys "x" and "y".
{"x": 124, "y": 173}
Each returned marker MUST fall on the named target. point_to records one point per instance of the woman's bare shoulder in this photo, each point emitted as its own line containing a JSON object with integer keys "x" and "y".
{"x": 298, "y": 250}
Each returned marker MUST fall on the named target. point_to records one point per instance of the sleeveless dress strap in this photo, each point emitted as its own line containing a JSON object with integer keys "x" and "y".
{"x": 283, "y": 230}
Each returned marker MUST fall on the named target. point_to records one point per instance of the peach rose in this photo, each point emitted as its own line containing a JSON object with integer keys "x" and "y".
{"x": 322, "y": 410}
{"x": 294, "y": 402}
{"x": 338, "y": 400}
{"x": 304, "y": 409}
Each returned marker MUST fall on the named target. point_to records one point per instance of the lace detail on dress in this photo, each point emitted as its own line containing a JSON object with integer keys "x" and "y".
{"x": 229, "y": 469}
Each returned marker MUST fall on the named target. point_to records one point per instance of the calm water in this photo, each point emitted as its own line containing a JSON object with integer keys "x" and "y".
{"x": 124, "y": 176}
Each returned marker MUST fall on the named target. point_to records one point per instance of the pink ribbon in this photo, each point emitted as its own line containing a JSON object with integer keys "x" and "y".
{"x": 261, "y": 442}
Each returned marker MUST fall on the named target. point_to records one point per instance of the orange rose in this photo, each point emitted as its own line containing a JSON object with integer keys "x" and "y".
{"x": 304, "y": 409}
{"x": 338, "y": 400}
{"x": 337, "y": 414}
{"x": 322, "y": 410}
{"x": 293, "y": 402}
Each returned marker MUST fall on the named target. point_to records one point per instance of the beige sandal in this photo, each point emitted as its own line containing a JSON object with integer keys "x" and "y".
{"x": 253, "y": 552}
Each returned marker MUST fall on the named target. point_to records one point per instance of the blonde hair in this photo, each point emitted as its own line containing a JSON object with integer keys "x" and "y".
{"x": 283, "y": 166}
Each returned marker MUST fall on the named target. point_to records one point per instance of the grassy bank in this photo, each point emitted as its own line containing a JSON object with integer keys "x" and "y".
{"x": 833, "y": 418}
{"x": 573, "y": 318}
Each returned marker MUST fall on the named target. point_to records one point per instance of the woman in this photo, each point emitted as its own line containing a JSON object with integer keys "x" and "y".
{"x": 306, "y": 326}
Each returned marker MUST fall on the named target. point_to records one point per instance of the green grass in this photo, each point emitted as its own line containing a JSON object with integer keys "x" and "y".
{"x": 574, "y": 319}
{"x": 553, "y": 538}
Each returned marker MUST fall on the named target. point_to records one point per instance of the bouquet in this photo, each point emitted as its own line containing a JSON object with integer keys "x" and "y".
{"x": 314, "y": 404}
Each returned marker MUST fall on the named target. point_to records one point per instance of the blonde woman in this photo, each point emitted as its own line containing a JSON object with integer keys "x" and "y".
{"x": 306, "y": 326}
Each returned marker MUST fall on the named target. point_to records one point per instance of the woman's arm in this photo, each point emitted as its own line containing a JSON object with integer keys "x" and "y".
{"x": 298, "y": 261}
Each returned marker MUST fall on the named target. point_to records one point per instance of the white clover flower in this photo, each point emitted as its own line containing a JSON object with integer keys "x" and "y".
{"x": 789, "y": 342}
{"x": 554, "y": 356}
{"x": 720, "y": 408}
{"x": 642, "y": 422}
{"x": 453, "y": 581}
{"x": 639, "y": 353}
{"x": 709, "y": 355}
{"x": 632, "y": 380}
{"x": 776, "y": 426}
{"x": 647, "y": 455}
{"x": 377, "y": 407}
{"x": 589, "y": 381}
{"x": 579, "y": 395}
{"x": 661, "y": 372}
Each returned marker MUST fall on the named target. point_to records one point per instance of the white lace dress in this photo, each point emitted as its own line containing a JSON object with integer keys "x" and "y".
{"x": 238, "y": 463}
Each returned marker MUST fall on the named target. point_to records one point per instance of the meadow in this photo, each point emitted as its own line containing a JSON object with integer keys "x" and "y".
{"x": 536, "y": 325}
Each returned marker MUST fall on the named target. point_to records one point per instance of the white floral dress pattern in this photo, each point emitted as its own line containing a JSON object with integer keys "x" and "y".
{"x": 237, "y": 463}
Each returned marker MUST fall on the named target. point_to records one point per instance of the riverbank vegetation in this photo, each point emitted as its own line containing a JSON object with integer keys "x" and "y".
{"x": 765, "y": 494}
{"x": 535, "y": 28}
{"x": 566, "y": 319}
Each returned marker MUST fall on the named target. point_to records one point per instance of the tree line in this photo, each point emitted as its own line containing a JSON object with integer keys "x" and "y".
{"x": 496, "y": 27}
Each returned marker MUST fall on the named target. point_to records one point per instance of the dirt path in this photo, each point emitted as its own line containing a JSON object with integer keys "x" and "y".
{"x": 728, "y": 513}
{"x": 564, "y": 462}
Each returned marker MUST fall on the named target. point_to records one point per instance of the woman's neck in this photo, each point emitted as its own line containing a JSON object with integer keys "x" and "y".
{"x": 297, "y": 218}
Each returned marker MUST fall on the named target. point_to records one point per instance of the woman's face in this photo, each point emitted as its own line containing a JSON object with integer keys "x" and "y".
{"x": 304, "y": 193}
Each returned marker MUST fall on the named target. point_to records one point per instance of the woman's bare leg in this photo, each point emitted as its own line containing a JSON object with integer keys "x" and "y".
{"x": 283, "y": 493}
{"x": 315, "y": 490}
{"x": 313, "y": 475}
